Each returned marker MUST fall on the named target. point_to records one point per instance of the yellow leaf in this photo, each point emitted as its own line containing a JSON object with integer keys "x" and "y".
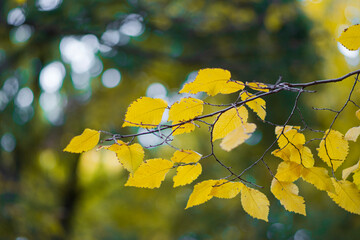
{"x": 201, "y": 193}
{"x": 319, "y": 177}
{"x": 352, "y": 134}
{"x": 145, "y": 112}
{"x": 291, "y": 147}
{"x": 288, "y": 171}
{"x": 291, "y": 138}
{"x": 84, "y": 142}
{"x": 333, "y": 149}
{"x": 187, "y": 174}
{"x": 227, "y": 189}
{"x": 350, "y": 37}
{"x": 258, "y": 105}
{"x": 302, "y": 155}
{"x": 287, "y": 128}
{"x": 186, "y": 156}
{"x": 186, "y": 109}
{"x": 357, "y": 113}
{"x": 284, "y": 154}
{"x": 237, "y": 136}
{"x": 347, "y": 171}
{"x": 184, "y": 128}
{"x": 356, "y": 178}
{"x": 228, "y": 121}
{"x": 212, "y": 81}
{"x": 257, "y": 86}
{"x": 150, "y": 174}
{"x": 287, "y": 193}
{"x": 129, "y": 156}
{"x": 346, "y": 195}
{"x": 255, "y": 203}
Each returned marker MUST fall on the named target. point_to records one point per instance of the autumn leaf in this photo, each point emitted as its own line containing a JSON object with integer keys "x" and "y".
{"x": 185, "y": 156}
{"x": 279, "y": 130}
{"x": 255, "y": 203}
{"x": 352, "y": 134}
{"x": 258, "y": 105}
{"x": 357, "y": 113}
{"x": 288, "y": 171}
{"x": 201, "y": 193}
{"x": 187, "y": 174}
{"x": 84, "y": 142}
{"x": 333, "y": 149}
{"x": 346, "y": 195}
{"x": 302, "y": 155}
{"x": 212, "y": 81}
{"x": 291, "y": 138}
{"x": 150, "y": 174}
{"x": 287, "y": 193}
{"x": 186, "y": 109}
{"x": 318, "y": 177}
{"x": 183, "y": 128}
{"x": 129, "y": 156}
{"x": 237, "y": 136}
{"x": 257, "y": 86}
{"x": 350, "y": 37}
{"x": 347, "y": 171}
{"x": 226, "y": 189}
{"x": 229, "y": 121}
{"x": 145, "y": 112}
{"x": 292, "y": 148}
{"x": 356, "y": 178}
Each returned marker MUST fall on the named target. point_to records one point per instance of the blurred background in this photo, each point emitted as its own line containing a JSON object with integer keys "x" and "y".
{"x": 70, "y": 65}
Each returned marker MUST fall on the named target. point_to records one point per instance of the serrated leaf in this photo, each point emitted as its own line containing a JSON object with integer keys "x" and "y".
{"x": 185, "y": 156}
{"x": 237, "y": 136}
{"x": 333, "y": 149}
{"x": 186, "y": 109}
{"x": 226, "y": 189}
{"x": 201, "y": 193}
{"x": 319, "y": 177}
{"x": 187, "y": 174}
{"x": 302, "y": 155}
{"x": 129, "y": 156}
{"x": 356, "y": 179}
{"x": 145, "y": 112}
{"x": 258, "y": 105}
{"x": 184, "y": 128}
{"x": 357, "y": 114}
{"x": 288, "y": 171}
{"x": 150, "y": 174}
{"x": 212, "y": 81}
{"x": 346, "y": 195}
{"x": 84, "y": 142}
{"x": 229, "y": 121}
{"x": 257, "y": 86}
{"x": 292, "y": 149}
{"x": 290, "y": 138}
{"x": 287, "y": 193}
{"x": 347, "y": 171}
{"x": 350, "y": 37}
{"x": 255, "y": 203}
{"x": 279, "y": 130}
{"x": 352, "y": 134}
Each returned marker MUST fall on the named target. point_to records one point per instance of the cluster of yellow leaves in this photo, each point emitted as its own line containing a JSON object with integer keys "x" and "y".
{"x": 299, "y": 162}
{"x": 254, "y": 202}
{"x": 291, "y": 146}
{"x": 232, "y": 126}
